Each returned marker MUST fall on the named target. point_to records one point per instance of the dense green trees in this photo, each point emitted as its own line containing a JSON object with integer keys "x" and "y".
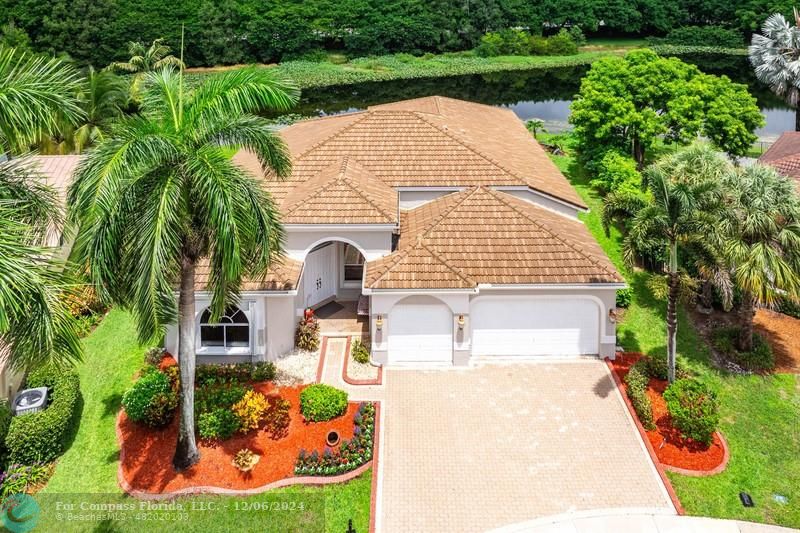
{"x": 239, "y": 31}
{"x": 627, "y": 103}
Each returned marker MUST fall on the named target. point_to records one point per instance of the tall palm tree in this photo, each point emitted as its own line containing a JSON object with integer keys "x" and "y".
{"x": 103, "y": 96}
{"x": 761, "y": 239}
{"x": 775, "y": 56}
{"x": 35, "y": 92}
{"x": 679, "y": 210}
{"x": 145, "y": 59}
{"x": 160, "y": 193}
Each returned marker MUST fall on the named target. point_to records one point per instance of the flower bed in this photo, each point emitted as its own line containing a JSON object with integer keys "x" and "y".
{"x": 671, "y": 449}
{"x": 146, "y": 453}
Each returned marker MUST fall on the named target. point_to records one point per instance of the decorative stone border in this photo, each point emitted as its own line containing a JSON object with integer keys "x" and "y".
{"x": 649, "y": 447}
{"x": 352, "y": 381}
{"x": 321, "y": 365}
{"x": 286, "y": 482}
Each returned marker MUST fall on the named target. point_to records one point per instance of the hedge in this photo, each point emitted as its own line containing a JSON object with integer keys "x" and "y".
{"x": 41, "y": 436}
{"x": 637, "y": 380}
{"x": 320, "y": 402}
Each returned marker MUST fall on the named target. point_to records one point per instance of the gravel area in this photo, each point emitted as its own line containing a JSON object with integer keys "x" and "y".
{"x": 360, "y": 371}
{"x": 296, "y": 367}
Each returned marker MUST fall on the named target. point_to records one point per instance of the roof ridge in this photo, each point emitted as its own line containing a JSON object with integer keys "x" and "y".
{"x": 401, "y": 254}
{"x": 578, "y": 248}
{"x": 324, "y": 187}
{"x": 441, "y": 216}
{"x": 365, "y": 114}
{"x": 357, "y": 189}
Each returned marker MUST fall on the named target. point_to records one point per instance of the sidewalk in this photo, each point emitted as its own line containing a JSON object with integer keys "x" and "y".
{"x": 618, "y": 520}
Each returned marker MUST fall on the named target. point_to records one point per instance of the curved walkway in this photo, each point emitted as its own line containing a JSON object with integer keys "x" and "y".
{"x": 614, "y": 520}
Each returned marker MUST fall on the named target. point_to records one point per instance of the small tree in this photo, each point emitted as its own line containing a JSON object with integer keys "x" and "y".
{"x": 761, "y": 240}
{"x": 627, "y": 103}
{"x": 535, "y": 125}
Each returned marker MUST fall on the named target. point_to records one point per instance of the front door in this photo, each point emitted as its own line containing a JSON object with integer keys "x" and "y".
{"x": 320, "y": 274}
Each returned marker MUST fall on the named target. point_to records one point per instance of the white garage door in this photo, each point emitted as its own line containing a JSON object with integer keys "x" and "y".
{"x": 420, "y": 331}
{"x": 534, "y": 326}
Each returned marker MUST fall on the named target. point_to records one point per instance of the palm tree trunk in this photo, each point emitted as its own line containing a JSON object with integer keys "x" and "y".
{"x": 705, "y": 303}
{"x": 672, "y": 310}
{"x": 638, "y": 152}
{"x": 747, "y": 312}
{"x": 186, "y": 453}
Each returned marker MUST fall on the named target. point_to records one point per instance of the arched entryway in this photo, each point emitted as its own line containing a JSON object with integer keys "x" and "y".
{"x": 332, "y": 270}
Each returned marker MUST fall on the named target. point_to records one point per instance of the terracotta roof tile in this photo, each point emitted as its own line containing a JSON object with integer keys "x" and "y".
{"x": 283, "y": 275}
{"x": 784, "y": 156}
{"x": 490, "y": 237}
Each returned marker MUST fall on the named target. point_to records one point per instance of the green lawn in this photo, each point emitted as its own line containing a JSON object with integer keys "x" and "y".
{"x": 760, "y": 414}
{"x": 90, "y": 465}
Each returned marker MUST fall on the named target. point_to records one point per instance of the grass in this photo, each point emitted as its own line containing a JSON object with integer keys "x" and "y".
{"x": 759, "y": 413}
{"x": 88, "y": 471}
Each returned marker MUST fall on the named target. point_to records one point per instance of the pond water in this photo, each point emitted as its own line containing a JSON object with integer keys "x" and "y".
{"x": 544, "y": 93}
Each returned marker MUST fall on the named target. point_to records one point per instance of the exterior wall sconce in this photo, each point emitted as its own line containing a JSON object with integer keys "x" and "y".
{"x": 612, "y": 315}
{"x": 461, "y": 321}
{"x": 379, "y": 322}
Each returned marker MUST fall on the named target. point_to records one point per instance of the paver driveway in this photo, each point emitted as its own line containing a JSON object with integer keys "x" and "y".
{"x": 479, "y": 448}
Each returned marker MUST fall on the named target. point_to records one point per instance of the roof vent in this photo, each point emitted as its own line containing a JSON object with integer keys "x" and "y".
{"x": 30, "y": 401}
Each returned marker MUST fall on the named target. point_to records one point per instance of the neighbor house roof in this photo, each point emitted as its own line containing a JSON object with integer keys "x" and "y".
{"x": 57, "y": 170}
{"x": 784, "y": 155}
{"x": 425, "y": 142}
{"x": 482, "y": 236}
{"x": 283, "y": 275}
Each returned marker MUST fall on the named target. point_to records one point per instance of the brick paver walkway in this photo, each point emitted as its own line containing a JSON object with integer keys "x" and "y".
{"x": 479, "y": 448}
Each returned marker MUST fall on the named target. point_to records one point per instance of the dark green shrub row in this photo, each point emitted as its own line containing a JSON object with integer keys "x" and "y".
{"x": 519, "y": 43}
{"x": 702, "y": 35}
{"x": 238, "y": 372}
{"x": 320, "y": 402}
{"x": 694, "y": 409}
{"x": 758, "y": 359}
{"x": 153, "y": 398}
{"x": 637, "y": 381}
{"x": 40, "y": 437}
{"x": 220, "y": 423}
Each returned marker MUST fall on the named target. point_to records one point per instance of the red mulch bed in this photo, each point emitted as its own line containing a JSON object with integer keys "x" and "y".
{"x": 670, "y": 448}
{"x": 147, "y": 453}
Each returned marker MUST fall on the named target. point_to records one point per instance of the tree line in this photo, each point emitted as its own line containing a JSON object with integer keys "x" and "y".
{"x": 243, "y": 31}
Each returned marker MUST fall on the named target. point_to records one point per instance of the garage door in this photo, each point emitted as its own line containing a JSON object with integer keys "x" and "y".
{"x": 420, "y": 331}
{"x": 534, "y": 326}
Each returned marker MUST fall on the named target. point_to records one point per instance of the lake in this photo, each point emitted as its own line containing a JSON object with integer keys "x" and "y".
{"x": 544, "y": 93}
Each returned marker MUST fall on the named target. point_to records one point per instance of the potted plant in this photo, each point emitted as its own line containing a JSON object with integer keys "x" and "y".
{"x": 245, "y": 460}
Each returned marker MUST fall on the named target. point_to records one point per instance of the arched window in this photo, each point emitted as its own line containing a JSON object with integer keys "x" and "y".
{"x": 231, "y": 331}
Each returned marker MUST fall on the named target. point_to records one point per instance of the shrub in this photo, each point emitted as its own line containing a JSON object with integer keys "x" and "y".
{"x": 154, "y": 355}
{"x": 207, "y": 398}
{"x": 360, "y": 352}
{"x": 307, "y": 335}
{"x": 504, "y": 43}
{"x": 759, "y": 358}
{"x": 19, "y": 479}
{"x": 250, "y": 410}
{"x": 789, "y": 307}
{"x": 715, "y": 36}
{"x": 220, "y": 423}
{"x": 245, "y": 459}
{"x": 624, "y": 297}
{"x": 656, "y": 367}
{"x": 152, "y": 399}
{"x": 577, "y": 35}
{"x": 561, "y": 44}
{"x": 538, "y": 46}
{"x": 320, "y": 402}
{"x": 637, "y": 381}
{"x": 40, "y": 436}
{"x": 5, "y": 423}
{"x": 233, "y": 373}
{"x": 693, "y": 408}
{"x": 617, "y": 172}
{"x": 276, "y": 419}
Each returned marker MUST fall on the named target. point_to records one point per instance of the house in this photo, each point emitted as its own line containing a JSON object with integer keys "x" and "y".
{"x": 450, "y": 225}
{"x": 784, "y": 156}
{"x": 57, "y": 171}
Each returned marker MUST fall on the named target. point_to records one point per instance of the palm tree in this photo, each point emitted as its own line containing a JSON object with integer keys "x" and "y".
{"x": 761, "y": 240}
{"x": 35, "y": 92}
{"x": 683, "y": 192}
{"x": 775, "y": 56}
{"x": 146, "y": 59}
{"x": 160, "y": 193}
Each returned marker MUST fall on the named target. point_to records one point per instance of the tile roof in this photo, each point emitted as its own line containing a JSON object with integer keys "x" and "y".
{"x": 283, "y": 275}
{"x": 57, "y": 170}
{"x": 479, "y": 236}
{"x": 424, "y": 142}
{"x": 784, "y": 155}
